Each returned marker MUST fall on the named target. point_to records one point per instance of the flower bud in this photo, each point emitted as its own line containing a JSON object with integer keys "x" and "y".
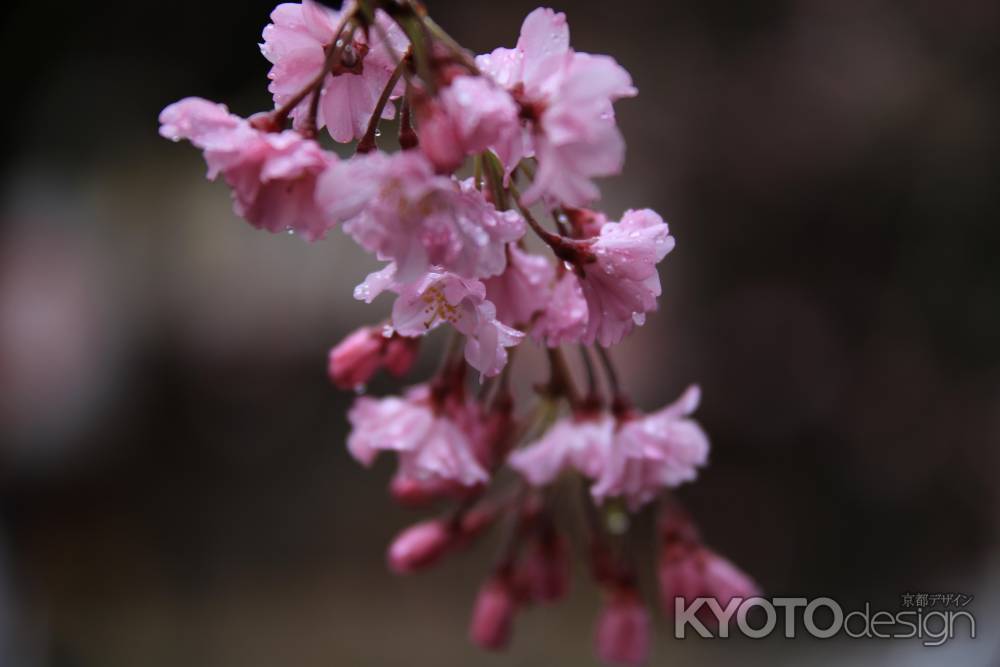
{"x": 411, "y": 492}
{"x": 475, "y": 521}
{"x": 400, "y": 353}
{"x": 355, "y": 359}
{"x": 544, "y": 573}
{"x": 679, "y": 574}
{"x": 622, "y": 634}
{"x": 724, "y": 581}
{"x": 493, "y": 614}
{"x": 692, "y": 571}
{"x": 419, "y": 546}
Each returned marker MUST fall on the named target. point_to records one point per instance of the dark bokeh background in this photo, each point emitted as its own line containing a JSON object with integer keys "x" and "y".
{"x": 174, "y": 488}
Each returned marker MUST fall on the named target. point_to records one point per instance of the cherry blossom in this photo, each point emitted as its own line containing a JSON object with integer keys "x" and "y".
{"x": 354, "y": 360}
{"x": 524, "y": 288}
{"x": 469, "y": 115}
{"x": 440, "y": 297}
{"x": 295, "y": 43}
{"x": 430, "y": 444}
{"x": 568, "y": 96}
{"x": 621, "y": 285}
{"x": 582, "y": 442}
{"x": 653, "y": 452}
{"x": 272, "y": 175}
{"x": 398, "y": 208}
{"x": 539, "y": 121}
{"x": 566, "y": 314}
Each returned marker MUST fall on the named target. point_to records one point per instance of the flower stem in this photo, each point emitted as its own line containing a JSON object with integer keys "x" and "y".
{"x": 553, "y": 240}
{"x": 407, "y": 136}
{"x": 560, "y": 379}
{"x": 620, "y": 401}
{"x": 367, "y": 142}
{"x": 460, "y": 53}
{"x": 588, "y": 366}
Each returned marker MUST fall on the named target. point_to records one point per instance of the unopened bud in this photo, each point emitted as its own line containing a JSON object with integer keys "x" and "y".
{"x": 355, "y": 359}
{"x": 411, "y": 492}
{"x": 544, "y": 573}
{"x": 622, "y": 633}
{"x": 419, "y": 546}
{"x": 493, "y": 614}
{"x": 400, "y": 353}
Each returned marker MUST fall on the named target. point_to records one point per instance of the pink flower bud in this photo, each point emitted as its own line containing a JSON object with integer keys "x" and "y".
{"x": 680, "y": 574}
{"x": 493, "y": 615}
{"x": 356, "y": 358}
{"x": 400, "y": 353}
{"x": 724, "y": 581}
{"x": 411, "y": 492}
{"x": 544, "y": 573}
{"x": 439, "y": 137}
{"x": 475, "y": 521}
{"x": 622, "y": 635}
{"x": 690, "y": 571}
{"x": 419, "y": 546}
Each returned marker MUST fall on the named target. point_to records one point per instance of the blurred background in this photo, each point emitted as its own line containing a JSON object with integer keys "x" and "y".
{"x": 174, "y": 487}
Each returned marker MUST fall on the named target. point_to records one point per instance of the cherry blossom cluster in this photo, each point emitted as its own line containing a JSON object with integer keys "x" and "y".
{"x": 483, "y": 219}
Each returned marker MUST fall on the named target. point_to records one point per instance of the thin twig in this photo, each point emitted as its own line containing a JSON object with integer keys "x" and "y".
{"x": 367, "y": 142}
{"x": 591, "y": 377}
{"x": 561, "y": 380}
{"x": 612, "y": 375}
{"x": 439, "y": 33}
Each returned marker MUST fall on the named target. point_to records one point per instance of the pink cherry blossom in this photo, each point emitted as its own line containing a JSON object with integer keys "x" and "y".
{"x": 582, "y": 442}
{"x": 398, "y": 208}
{"x": 569, "y": 98}
{"x": 295, "y": 43}
{"x": 622, "y": 284}
{"x": 565, "y": 317}
{"x": 653, "y": 452}
{"x": 272, "y": 175}
{"x": 438, "y": 297}
{"x": 431, "y": 446}
{"x": 523, "y": 289}
{"x": 622, "y": 633}
{"x": 471, "y": 114}
{"x": 354, "y": 360}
